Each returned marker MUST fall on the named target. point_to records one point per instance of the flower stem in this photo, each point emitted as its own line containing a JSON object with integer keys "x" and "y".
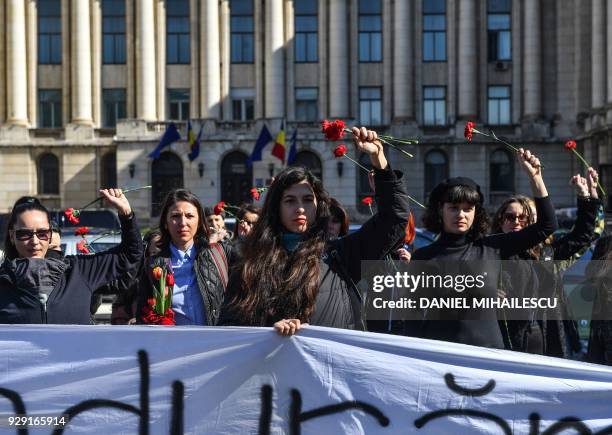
{"x": 395, "y": 147}
{"x": 357, "y": 163}
{"x": 101, "y": 197}
{"x": 587, "y": 166}
{"x": 414, "y": 200}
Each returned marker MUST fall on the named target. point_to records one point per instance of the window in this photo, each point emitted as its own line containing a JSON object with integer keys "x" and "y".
{"x": 306, "y": 31}
{"x": 48, "y": 174}
{"x": 434, "y": 105}
{"x": 370, "y": 106}
{"x": 434, "y": 30}
{"x": 49, "y": 32}
{"x": 236, "y": 178}
{"x": 166, "y": 175}
{"x": 114, "y": 106}
{"x": 306, "y": 104}
{"x": 177, "y": 32}
{"x": 50, "y": 108}
{"x": 436, "y": 170}
{"x": 243, "y": 107}
{"x": 310, "y": 161}
{"x": 499, "y": 105}
{"x": 498, "y": 30}
{"x": 370, "y": 31}
{"x": 502, "y": 171}
{"x": 178, "y": 100}
{"x": 109, "y": 170}
{"x": 113, "y": 31}
{"x": 242, "y": 28}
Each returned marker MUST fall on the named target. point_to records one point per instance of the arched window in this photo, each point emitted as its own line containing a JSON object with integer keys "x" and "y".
{"x": 166, "y": 175}
{"x": 108, "y": 170}
{"x": 310, "y": 161}
{"x": 501, "y": 170}
{"x": 48, "y": 174}
{"x": 363, "y": 184}
{"x": 436, "y": 169}
{"x": 236, "y": 178}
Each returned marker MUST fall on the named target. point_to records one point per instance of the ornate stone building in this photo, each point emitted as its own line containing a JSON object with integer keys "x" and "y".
{"x": 87, "y": 87}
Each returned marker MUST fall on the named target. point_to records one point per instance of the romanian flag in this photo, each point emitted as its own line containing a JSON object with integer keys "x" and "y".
{"x": 194, "y": 142}
{"x": 279, "y": 144}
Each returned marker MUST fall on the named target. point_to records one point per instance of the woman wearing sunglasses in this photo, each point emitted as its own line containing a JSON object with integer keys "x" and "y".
{"x": 36, "y": 289}
{"x": 556, "y": 335}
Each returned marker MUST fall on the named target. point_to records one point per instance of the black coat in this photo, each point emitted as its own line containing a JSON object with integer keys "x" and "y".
{"x": 339, "y": 303}
{"x": 460, "y": 326}
{"x": 59, "y": 291}
{"x": 207, "y": 276}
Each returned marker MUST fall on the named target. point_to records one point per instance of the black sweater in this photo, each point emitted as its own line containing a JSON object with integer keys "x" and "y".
{"x": 453, "y": 326}
{"x": 59, "y": 291}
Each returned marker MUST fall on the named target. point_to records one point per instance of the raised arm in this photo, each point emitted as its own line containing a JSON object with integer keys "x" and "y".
{"x": 103, "y": 267}
{"x": 518, "y": 241}
{"x": 387, "y": 227}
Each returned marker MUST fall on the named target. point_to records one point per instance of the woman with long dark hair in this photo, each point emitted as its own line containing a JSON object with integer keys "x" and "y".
{"x": 291, "y": 272}
{"x": 545, "y": 333}
{"x": 456, "y": 212}
{"x": 200, "y": 268}
{"x": 35, "y": 288}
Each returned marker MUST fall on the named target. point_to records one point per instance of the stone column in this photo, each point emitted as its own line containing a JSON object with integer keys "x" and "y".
{"x": 598, "y": 54}
{"x": 468, "y": 60}
{"x": 160, "y": 51}
{"x": 225, "y": 60}
{"x": 81, "y": 56}
{"x": 3, "y": 59}
{"x": 17, "y": 83}
{"x": 275, "y": 61}
{"x": 403, "y": 54}
{"x": 210, "y": 84}
{"x": 532, "y": 79}
{"x": 96, "y": 61}
{"x": 338, "y": 60}
{"x": 32, "y": 59}
{"x": 609, "y": 42}
{"x": 146, "y": 103}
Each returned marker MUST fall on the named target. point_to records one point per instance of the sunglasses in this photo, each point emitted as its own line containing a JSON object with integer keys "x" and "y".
{"x": 24, "y": 235}
{"x": 511, "y": 217}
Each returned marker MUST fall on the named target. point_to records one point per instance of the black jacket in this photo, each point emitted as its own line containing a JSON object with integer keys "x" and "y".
{"x": 453, "y": 326}
{"x": 339, "y": 302}
{"x": 59, "y": 290}
{"x": 207, "y": 276}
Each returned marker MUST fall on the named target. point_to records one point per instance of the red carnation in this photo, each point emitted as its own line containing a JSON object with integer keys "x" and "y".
{"x": 570, "y": 145}
{"x": 170, "y": 279}
{"x": 333, "y": 130}
{"x": 340, "y": 150}
{"x": 469, "y": 130}
{"x": 367, "y": 200}
{"x": 81, "y": 231}
{"x": 72, "y": 215}
{"x": 219, "y": 208}
{"x": 255, "y": 193}
{"x": 82, "y": 247}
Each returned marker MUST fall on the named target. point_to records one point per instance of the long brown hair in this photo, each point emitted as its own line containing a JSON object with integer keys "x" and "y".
{"x": 526, "y": 203}
{"x": 275, "y": 284}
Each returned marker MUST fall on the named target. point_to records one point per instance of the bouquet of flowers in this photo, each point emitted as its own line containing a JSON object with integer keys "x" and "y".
{"x": 159, "y": 308}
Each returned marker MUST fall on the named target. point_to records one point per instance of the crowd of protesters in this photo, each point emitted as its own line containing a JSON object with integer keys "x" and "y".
{"x": 294, "y": 262}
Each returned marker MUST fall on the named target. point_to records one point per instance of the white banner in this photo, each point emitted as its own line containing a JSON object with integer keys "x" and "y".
{"x": 173, "y": 380}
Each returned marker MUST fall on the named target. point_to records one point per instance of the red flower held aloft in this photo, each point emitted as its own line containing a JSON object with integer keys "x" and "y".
{"x": 570, "y": 145}
{"x": 367, "y": 200}
{"x": 81, "y": 231}
{"x": 468, "y": 132}
{"x": 72, "y": 215}
{"x": 340, "y": 150}
{"x": 255, "y": 194}
{"x": 82, "y": 247}
{"x": 333, "y": 130}
{"x": 219, "y": 208}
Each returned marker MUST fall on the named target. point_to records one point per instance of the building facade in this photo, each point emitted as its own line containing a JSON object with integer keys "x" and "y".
{"x": 87, "y": 88}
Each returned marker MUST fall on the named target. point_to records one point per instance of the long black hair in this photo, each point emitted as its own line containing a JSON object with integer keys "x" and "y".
{"x": 275, "y": 284}
{"x": 23, "y": 204}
